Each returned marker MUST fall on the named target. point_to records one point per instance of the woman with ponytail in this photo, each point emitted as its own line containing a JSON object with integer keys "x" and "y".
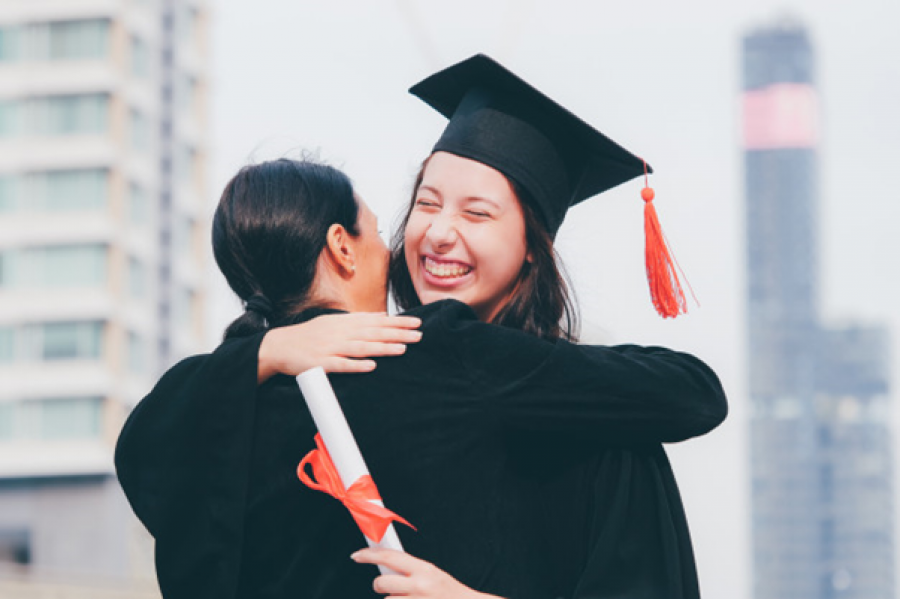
{"x": 276, "y": 285}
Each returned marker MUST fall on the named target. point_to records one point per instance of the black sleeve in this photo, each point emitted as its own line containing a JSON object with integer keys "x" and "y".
{"x": 616, "y": 395}
{"x": 183, "y": 458}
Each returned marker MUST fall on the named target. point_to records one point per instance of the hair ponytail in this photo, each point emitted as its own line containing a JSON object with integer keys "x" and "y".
{"x": 255, "y": 319}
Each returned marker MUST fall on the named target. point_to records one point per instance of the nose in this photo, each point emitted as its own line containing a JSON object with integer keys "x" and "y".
{"x": 442, "y": 231}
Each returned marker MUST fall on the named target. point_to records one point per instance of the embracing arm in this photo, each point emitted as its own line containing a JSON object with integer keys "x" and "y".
{"x": 618, "y": 395}
{"x": 626, "y": 394}
{"x": 183, "y": 456}
{"x": 336, "y": 342}
{"x": 212, "y": 394}
{"x": 183, "y": 461}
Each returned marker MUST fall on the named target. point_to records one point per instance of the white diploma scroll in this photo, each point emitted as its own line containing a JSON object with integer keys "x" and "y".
{"x": 338, "y": 439}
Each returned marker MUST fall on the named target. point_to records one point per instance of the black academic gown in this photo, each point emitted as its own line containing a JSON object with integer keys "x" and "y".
{"x": 532, "y": 469}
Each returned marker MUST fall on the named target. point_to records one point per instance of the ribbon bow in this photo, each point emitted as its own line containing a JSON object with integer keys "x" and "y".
{"x": 372, "y": 519}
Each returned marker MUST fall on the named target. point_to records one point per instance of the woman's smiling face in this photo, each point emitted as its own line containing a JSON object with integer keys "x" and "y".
{"x": 465, "y": 237}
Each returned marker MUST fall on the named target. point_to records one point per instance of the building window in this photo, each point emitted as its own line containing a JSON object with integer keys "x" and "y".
{"x": 15, "y": 543}
{"x": 138, "y": 208}
{"x": 82, "y": 114}
{"x": 185, "y": 93}
{"x": 9, "y": 118}
{"x": 52, "y": 419}
{"x": 185, "y": 157}
{"x": 10, "y": 39}
{"x": 58, "y": 115}
{"x": 137, "y": 279}
{"x": 6, "y": 422}
{"x": 137, "y": 354}
{"x": 64, "y": 341}
{"x": 52, "y": 116}
{"x": 72, "y": 265}
{"x": 71, "y": 340}
{"x": 7, "y": 193}
{"x": 6, "y": 266}
{"x": 186, "y": 23}
{"x": 54, "y": 266}
{"x": 57, "y": 191}
{"x": 182, "y": 310}
{"x": 182, "y": 233}
{"x": 67, "y": 40}
{"x": 83, "y": 39}
{"x": 7, "y": 349}
{"x": 140, "y": 58}
{"x": 140, "y": 131}
{"x": 70, "y": 417}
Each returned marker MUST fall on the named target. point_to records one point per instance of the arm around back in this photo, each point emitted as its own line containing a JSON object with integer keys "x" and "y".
{"x": 620, "y": 395}
{"x": 183, "y": 461}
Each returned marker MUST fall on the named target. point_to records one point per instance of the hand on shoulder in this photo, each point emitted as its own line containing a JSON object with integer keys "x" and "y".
{"x": 335, "y": 342}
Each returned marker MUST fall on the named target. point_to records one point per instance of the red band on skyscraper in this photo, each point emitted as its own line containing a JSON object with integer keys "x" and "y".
{"x": 783, "y": 115}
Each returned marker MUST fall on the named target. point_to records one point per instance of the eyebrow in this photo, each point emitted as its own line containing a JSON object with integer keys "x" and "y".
{"x": 429, "y": 188}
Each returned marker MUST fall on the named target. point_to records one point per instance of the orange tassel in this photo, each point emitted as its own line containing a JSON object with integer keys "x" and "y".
{"x": 662, "y": 269}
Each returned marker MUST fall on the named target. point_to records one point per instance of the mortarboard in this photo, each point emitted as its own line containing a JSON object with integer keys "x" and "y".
{"x": 500, "y": 120}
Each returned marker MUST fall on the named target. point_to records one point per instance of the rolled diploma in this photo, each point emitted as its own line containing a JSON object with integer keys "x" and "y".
{"x": 338, "y": 439}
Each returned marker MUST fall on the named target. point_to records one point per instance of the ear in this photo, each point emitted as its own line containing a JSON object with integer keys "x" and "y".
{"x": 340, "y": 249}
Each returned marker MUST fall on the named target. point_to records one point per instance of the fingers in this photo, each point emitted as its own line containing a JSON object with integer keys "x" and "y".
{"x": 392, "y": 584}
{"x": 397, "y": 561}
{"x": 390, "y": 335}
{"x": 383, "y": 320}
{"x": 348, "y": 365}
{"x": 366, "y": 349}
{"x": 365, "y": 326}
{"x": 390, "y": 329}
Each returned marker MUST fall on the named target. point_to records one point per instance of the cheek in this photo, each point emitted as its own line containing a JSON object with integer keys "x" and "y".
{"x": 493, "y": 243}
{"x": 416, "y": 226}
{"x": 501, "y": 256}
{"x": 412, "y": 236}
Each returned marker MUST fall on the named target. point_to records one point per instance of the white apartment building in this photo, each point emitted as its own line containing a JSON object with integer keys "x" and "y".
{"x": 102, "y": 241}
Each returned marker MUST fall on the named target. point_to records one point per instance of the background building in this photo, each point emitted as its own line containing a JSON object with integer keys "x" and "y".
{"x": 102, "y": 167}
{"x": 820, "y": 436}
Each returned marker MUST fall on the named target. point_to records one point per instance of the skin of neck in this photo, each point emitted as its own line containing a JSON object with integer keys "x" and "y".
{"x": 339, "y": 289}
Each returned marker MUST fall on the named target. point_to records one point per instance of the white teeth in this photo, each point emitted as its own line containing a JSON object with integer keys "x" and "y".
{"x": 445, "y": 270}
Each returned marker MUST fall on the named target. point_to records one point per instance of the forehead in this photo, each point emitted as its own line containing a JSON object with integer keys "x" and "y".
{"x": 450, "y": 173}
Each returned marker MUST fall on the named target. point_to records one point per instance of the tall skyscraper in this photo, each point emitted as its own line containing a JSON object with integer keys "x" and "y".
{"x": 102, "y": 158}
{"x": 820, "y": 438}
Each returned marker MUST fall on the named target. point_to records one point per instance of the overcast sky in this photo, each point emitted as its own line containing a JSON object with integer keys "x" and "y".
{"x": 660, "y": 77}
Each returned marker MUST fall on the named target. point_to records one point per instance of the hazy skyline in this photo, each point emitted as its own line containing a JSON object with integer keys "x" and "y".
{"x": 661, "y": 78}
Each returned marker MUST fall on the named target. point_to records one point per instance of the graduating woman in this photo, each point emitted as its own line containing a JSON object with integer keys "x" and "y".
{"x": 531, "y": 466}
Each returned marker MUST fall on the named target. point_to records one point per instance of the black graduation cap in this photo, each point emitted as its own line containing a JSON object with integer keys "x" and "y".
{"x": 500, "y": 120}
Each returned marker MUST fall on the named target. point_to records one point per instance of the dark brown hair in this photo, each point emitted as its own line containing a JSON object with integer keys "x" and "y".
{"x": 268, "y": 231}
{"x": 541, "y": 303}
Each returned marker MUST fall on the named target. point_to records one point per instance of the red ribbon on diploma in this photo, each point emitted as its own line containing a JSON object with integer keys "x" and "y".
{"x": 373, "y": 520}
